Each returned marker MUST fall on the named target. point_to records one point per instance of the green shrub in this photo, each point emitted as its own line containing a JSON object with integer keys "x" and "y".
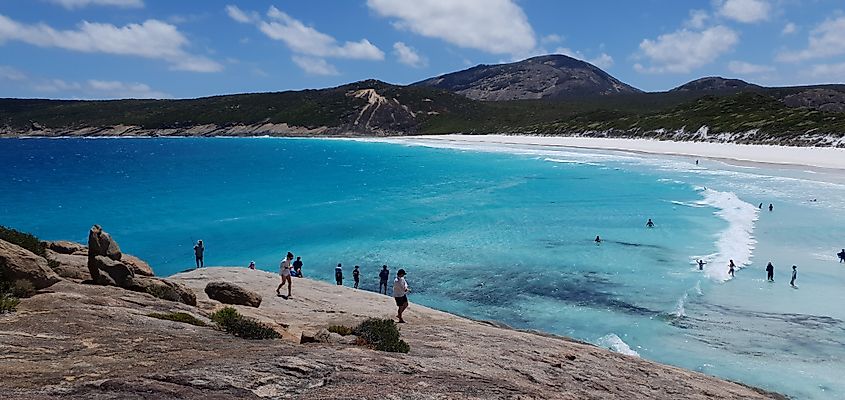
{"x": 24, "y": 240}
{"x": 179, "y": 317}
{"x": 382, "y": 335}
{"x": 22, "y": 289}
{"x": 340, "y": 330}
{"x": 231, "y": 321}
{"x": 8, "y": 303}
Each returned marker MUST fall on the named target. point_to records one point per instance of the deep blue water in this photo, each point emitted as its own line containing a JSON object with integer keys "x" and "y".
{"x": 487, "y": 234}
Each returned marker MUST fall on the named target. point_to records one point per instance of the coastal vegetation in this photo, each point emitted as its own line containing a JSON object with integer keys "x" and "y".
{"x": 23, "y": 239}
{"x": 179, "y": 317}
{"x": 230, "y": 320}
{"x": 381, "y": 334}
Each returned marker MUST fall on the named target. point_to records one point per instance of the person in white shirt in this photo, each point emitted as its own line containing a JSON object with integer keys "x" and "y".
{"x": 400, "y": 293}
{"x": 284, "y": 272}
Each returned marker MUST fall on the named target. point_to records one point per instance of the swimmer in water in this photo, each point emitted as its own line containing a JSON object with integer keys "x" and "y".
{"x": 649, "y": 224}
{"x": 701, "y": 265}
{"x": 598, "y": 239}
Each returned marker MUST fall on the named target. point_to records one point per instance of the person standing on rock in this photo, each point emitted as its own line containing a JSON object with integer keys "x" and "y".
{"x": 383, "y": 277}
{"x": 338, "y": 274}
{"x": 199, "y": 249}
{"x": 356, "y": 275}
{"x": 400, "y": 293}
{"x": 284, "y": 273}
{"x": 297, "y": 266}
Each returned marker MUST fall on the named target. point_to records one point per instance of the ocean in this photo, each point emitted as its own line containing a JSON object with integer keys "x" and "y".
{"x": 493, "y": 232}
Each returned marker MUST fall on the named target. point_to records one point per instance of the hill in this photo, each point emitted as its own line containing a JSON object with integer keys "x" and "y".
{"x": 714, "y": 84}
{"x": 543, "y": 77}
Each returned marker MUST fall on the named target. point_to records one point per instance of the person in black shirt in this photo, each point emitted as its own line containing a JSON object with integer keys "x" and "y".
{"x": 356, "y": 276}
{"x": 297, "y": 266}
{"x": 770, "y": 272}
{"x": 383, "y": 276}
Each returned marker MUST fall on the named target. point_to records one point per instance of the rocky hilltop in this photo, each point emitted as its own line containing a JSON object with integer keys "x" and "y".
{"x": 544, "y": 77}
{"x": 75, "y": 339}
{"x": 715, "y": 84}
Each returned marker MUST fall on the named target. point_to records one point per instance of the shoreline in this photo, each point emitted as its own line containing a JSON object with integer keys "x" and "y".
{"x": 825, "y": 159}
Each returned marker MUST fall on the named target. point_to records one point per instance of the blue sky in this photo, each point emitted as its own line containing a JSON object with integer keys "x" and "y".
{"x": 95, "y": 49}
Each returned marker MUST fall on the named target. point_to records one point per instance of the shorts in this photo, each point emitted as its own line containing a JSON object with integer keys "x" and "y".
{"x": 401, "y": 301}
{"x": 285, "y": 273}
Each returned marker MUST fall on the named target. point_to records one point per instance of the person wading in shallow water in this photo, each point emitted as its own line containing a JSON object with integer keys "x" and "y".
{"x": 731, "y": 268}
{"x": 794, "y": 275}
{"x": 701, "y": 265}
{"x": 400, "y": 293}
{"x": 649, "y": 224}
{"x": 770, "y": 272}
{"x": 598, "y": 240}
{"x": 199, "y": 249}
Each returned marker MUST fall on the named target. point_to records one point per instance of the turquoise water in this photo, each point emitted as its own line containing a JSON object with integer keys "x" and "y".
{"x": 504, "y": 233}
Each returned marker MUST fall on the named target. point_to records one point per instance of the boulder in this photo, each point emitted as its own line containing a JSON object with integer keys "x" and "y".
{"x": 324, "y": 336}
{"x": 110, "y": 272}
{"x": 229, "y": 293}
{"x": 137, "y": 265}
{"x": 69, "y": 266}
{"x": 17, "y": 263}
{"x": 66, "y": 247}
{"x": 100, "y": 243}
{"x": 163, "y": 289}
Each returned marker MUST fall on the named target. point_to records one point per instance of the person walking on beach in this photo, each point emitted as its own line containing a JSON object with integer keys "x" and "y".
{"x": 841, "y": 255}
{"x": 356, "y": 274}
{"x": 731, "y": 268}
{"x": 794, "y": 275}
{"x": 701, "y": 265}
{"x": 284, "y": 273}
{"x": 297, "y": 266}
{"x": 199, "y": 249}
{"x": 771, "y": 207}
{"x": 649, "y": 224}
{"x": 383, "y": 276}
{"x": 400, "y": 293}
{"x": 770, "y": 272}
{"x": 338, "y": 274}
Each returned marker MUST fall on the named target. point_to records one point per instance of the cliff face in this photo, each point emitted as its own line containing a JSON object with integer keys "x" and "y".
{"x": 97, "y": 342}
{"x": 544, "y": 77}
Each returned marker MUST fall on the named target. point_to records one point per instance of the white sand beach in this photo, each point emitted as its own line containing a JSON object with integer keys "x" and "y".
{"x": 817, "y": 157}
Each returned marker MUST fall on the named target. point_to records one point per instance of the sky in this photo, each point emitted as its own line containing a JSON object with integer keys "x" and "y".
{"x": 103, "y": 49}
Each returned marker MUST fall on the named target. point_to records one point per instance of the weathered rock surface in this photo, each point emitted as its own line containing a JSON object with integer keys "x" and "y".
{"x": 70, "y": 265}
{"x": 137, "y": 265}
{"x": 66, "y": 247}
{"x": 100, "y": 243}
{"x": 17, "y": 263}
{"x": 163, "y": 288}
{"x": 110, "y": 272}
{"x": 97, "y": 342}
{"x": 230, "y": 293}
{"x": 827, "y": 100}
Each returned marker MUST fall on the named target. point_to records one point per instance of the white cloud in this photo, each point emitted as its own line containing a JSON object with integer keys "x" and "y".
{"x": 697, "y": 19}
{"x": 684, "y": 50}
{"x": 832, "y": 73}
{"x": 241, "y": 16}
{"x": 789, "y": 28}
{"x": 492, "y": 26}
{"x": 408, "y": 56}
{"x": 71, "y": 4}
{"x": 551, "y": 39}
{"x": 747, "y": 11}
{"x": 603, "y": 61}
{"x": 826, "y": 40}
{"x": 99, "y": 89}
{"x": 11, "y": 74}
{"x": 314, "y": 65}
{"x": 746, "y": 68}
{"x": 152, "y": 39}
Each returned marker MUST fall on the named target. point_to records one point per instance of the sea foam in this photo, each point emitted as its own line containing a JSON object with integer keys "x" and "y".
{"x": 737, "y": 241}
{"x": 615, "y": 343}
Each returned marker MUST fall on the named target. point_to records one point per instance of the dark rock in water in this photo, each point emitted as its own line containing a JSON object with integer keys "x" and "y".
{"x": 65, "y": 247}
{"x": 229, "y": 293}
{"x": 17, "y": 263}
{"x": 69, "y": 266}
{"x": 163, "y": 289}
{"x": 111, "y": 272}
